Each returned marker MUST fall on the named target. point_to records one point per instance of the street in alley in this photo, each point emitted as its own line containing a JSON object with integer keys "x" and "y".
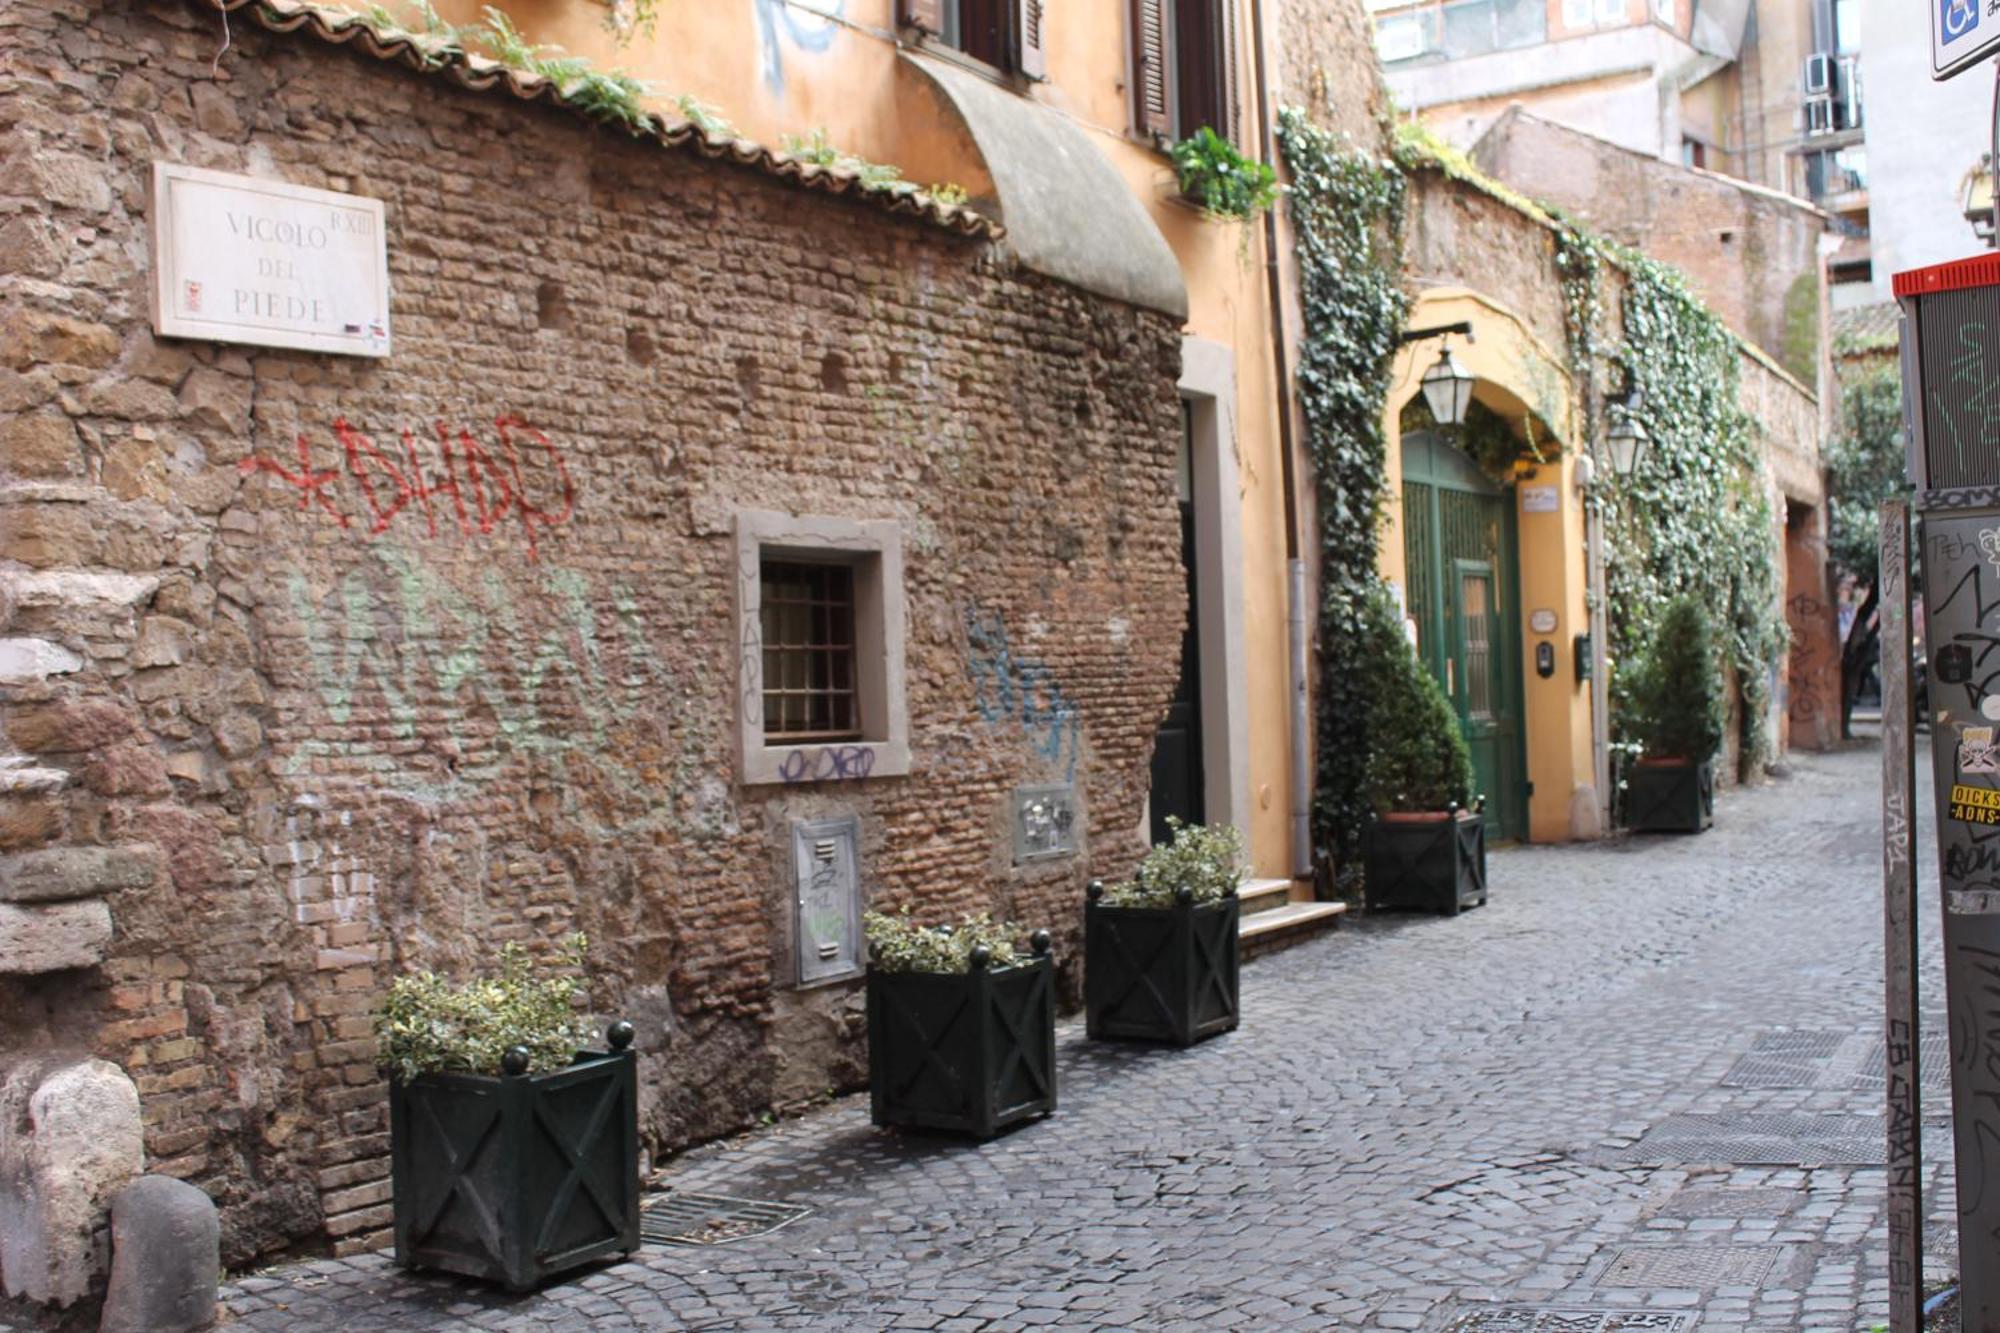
{"x": 1642, "y": 1088}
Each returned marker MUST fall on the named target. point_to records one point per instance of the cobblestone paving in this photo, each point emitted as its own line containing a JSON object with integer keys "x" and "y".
{"x": 1423, "y": 1123}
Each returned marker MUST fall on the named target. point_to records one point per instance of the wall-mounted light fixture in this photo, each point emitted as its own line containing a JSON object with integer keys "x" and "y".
{"x": 1627, "y": 439}
{"x": 1447, "y": 385}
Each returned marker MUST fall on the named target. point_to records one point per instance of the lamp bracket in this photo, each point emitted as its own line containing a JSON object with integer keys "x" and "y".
{"x": 1463, "y": 326}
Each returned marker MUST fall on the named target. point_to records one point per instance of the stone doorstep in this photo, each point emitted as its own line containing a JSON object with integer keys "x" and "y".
{"x": 1278, "y": 927}
{"x": 1263, "y": 895}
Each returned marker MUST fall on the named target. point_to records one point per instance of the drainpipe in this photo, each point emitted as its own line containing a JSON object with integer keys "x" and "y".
{"x": 1295, "y": 566}
{"x": 1600, "y": 691}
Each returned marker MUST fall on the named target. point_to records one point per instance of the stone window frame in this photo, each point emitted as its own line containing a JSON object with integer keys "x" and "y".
{"x": 874, "y": 548}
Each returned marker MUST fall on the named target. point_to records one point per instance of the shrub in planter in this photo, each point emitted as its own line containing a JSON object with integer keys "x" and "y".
{"x": 1160, "y": 952}
{"x": 961, "y": 1025}
{"x": 1426, "y": 848}
{"x": 1676, "y": 702}
{"x": 514, "y": 1153}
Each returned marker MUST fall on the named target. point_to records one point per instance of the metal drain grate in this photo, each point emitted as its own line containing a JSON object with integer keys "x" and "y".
{"x": 1785, "y": 1060}
{"x": 1813, "y": 1043}
{"x": 1733, "y": 1202}
{"x": 1558, "y": 1319}
{"x": 1758, "y": 1140}
{"x": 1699, "y": 1266}
{"x": 685, "y": 1218}
{"x": 1933, "y": 1064}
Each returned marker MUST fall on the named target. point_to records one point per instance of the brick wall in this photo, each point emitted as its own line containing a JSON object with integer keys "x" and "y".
{"x": 1750, "y": 253}
{"x": 299, "y": 738}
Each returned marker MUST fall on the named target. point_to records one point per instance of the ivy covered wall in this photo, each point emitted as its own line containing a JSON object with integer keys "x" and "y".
{"x": 1695, "y": 517}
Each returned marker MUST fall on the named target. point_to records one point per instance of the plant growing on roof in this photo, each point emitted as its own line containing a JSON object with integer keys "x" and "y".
{"x": 1206, "y": 861}
{"x": 1218, "y": 176}
{"x": 428, "y": 1025}
{"x": 819, "y": 150}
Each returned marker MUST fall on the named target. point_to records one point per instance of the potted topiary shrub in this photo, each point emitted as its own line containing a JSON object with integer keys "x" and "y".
{"x": 514, "y": 1153}
{"x": 1159, "y": 951}
{"x": 1677, "y": 708}
{"x": 1426, "y": 844}
{"x": 961, "y": 1025}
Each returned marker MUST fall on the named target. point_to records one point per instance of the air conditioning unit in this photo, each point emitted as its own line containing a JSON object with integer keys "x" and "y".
{"x": 1819, "y": 74}
{"x": 1819, "y": 115}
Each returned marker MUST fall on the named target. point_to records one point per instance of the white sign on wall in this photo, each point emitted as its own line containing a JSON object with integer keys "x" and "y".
{"x": 1540, "y": 500}
{"x": 242, "y": 260}
{"x": 1963, "y": 32}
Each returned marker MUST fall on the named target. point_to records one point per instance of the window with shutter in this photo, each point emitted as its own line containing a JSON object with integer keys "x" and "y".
{"x": 1006, "y": 34}
{"x": 1149, "y": 67}
{"x": 1184, "y": 67}
{"x": 1028, "y": 38}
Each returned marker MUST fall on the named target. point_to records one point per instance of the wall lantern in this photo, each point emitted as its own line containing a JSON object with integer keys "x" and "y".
{"x": 1627, "y": 438}
{"x": 1447, "y": 385}
{"x": 1447, "y": 388}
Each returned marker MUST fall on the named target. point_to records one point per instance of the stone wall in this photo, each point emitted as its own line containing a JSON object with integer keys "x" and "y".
{"x": 318, "y": 669}
{"x": 1750, "y": 252}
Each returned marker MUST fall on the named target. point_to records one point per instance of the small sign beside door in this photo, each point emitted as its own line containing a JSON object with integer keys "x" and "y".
{"x": 1541, "y": 620}
{"x": 1539, "y": 500}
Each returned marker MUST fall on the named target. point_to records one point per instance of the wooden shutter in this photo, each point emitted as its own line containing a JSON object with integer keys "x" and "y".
{"x": 927, "y": 15}
{"x": 1229, "y": 118}
{"x": 1028, "y": 39}
{"x": 1149, "y": 67}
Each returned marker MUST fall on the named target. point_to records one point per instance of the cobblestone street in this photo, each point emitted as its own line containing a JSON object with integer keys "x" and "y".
{"x": 1590, "y": 1096}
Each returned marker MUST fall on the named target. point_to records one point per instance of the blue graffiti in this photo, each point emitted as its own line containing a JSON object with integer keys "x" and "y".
{"x": 1011, "y": 689}
{"x": 812, "y": 32}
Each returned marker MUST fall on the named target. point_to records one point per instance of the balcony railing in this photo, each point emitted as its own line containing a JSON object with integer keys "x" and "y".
{"x": 1460, "y": 29}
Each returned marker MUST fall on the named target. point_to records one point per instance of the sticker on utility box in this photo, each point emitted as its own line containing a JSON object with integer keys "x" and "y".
{"x": 1976, "y": 751}
{"x": 1975, "y": 805}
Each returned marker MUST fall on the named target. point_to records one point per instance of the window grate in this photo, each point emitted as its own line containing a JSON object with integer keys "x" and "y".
{"x": 807, "y": 617}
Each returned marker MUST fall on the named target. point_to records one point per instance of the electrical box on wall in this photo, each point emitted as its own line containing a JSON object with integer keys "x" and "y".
{"x": 826, "y": 925}
{"x": 1583, "y": 657}
{"x": 1045, "y": 821}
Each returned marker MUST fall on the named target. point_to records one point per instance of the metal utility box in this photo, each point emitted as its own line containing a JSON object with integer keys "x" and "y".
{"x": 1951, "y": 410}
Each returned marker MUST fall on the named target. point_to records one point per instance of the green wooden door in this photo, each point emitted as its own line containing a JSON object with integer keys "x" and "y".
{"x": 1463, "y": 590}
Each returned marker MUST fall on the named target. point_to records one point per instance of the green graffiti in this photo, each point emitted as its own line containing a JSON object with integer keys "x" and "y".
{"x": 540, "y": 665}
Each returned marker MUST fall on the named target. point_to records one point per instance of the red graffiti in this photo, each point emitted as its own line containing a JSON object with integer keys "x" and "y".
{"x": 311, "y": 484}
{"x": 489, "y": 488}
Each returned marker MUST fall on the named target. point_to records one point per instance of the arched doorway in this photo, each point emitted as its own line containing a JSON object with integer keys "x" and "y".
{"x": 1463, "y": 585}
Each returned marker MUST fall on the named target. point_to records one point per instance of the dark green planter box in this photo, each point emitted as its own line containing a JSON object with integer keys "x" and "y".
{"x": 517, "y": 1179}
{"x": 1160, "y": 973}
{"x": 971, "y": 1052}
{"x": 1434, "y": 865}
{"x": 1670, "y": 796}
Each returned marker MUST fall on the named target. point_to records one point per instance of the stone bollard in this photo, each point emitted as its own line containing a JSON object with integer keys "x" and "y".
{"x": 70, "y": 1138}
{"x": 166, "y": 1255}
